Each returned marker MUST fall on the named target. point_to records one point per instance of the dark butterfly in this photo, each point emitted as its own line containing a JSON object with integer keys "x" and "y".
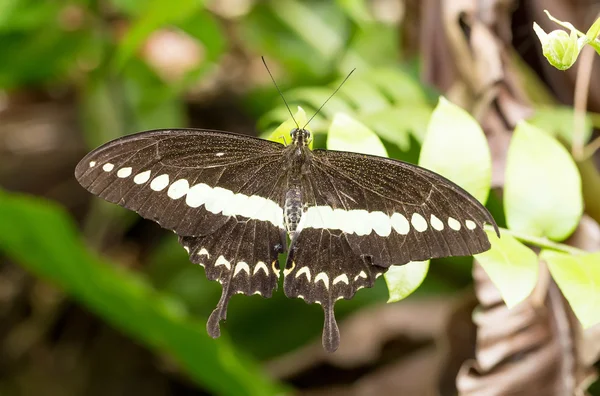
{"x": 234, "y": 199}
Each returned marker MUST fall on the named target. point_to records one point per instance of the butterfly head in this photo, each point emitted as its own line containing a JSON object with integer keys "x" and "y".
{"x": 300, "y": 136}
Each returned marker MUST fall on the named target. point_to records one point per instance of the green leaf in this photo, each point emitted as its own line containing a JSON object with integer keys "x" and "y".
{"x": 315, "y": 97}
{"x": 455, "y": 147}
{"x": 578, "y": 277}
{"x": 593, "y": 31}
{"x": 512, "y": 267}
{"x": 398, "y": 85}
{"x": 358, "y": 10}
{"x": 39, "y": 235}
{"x": 364, "y": 95}
{"x": 542, "y": 192}
{"x": 282, "y": 133}
{"x": 402, "y": 280}
{"x": 308, "y": 24}
{"x": 157, "y": 14}
{"x": 347, "y": 134}
{"x": 397, "y": 124}
{"x": 558, "y": 121}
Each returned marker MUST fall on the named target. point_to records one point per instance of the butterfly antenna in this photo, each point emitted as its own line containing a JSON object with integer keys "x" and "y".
{"x": 278, "y": 90}
{"x": 330, "y": 96}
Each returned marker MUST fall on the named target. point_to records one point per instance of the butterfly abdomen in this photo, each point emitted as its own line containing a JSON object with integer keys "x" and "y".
{"x": 292, "y": 209}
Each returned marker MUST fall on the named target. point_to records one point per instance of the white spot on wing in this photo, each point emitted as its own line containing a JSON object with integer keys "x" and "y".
{"x": 220, "y": 200}
{"x": 275, "y": 270}
{"x": 322, "y": 276}
{"x": 258, "y": 292}
{"x": 381, "y": 223}
{"x": 203, "y": 252}
{"x": 341, "y": 278}
{"x": 124, "y": 172}
{"x": 187, "y": 249}
{"x": 142, "y": 178}
{"x": 436, "y": 223}
{"x": 343, "y": 220}
{"x": 241, "y": 266}
{"x": 304, "y": 271}
{"x": 261, "y": 266}
{"x": 288, "y": 270}
{"x": 197, "y": 195}
{"x": 178, "y": 189}
{"x": 362, "y": 274}
{"x": 453, "y": 223}
{"x": 160, "y": 182}
{"x": 400, "y": 224}
{"x": 223, "y": 261}
{"x": 220, "y": 154}
{"x": 92, "y": 164}
{"x": 470, "y": 224}
{"x": 361, "y": 220}
{"x": 108, "y": 167}
{"x": 418, "y": 222}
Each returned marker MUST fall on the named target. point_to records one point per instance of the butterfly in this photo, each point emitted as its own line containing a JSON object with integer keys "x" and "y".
{"x": 235, "y": 200}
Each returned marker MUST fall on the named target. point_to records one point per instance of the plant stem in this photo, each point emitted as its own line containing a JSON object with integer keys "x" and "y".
{"x": 542, "y": 242}
{"x": 582, "y": 87}
{"x": 591, "y": 148}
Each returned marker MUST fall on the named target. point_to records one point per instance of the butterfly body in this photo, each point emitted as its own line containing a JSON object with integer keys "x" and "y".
{"x": 233, "y": 200}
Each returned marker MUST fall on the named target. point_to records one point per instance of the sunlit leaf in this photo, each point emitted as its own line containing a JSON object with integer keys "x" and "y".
{"x": 558, "y": 121}
{"x": 542, "y": 192}
{"x": 512, "y": 267}
{"x": 397, "y": 124}
{"x": 315, "y": 97}
{"x": 348, "y": 134}
{"x": 39, "y": 235}
{"x": 399, "y": 86}
{"x": 308, "y": 24}
{"x": 593, "y": 31}
{"x": 455, "y": 147}
{"x": 358, "y": 10}
{"x": 402, "y": 280}
{"x": 578, "y": 277}
{"x": 365, "y": 96}
{"x": 282, "y": 133}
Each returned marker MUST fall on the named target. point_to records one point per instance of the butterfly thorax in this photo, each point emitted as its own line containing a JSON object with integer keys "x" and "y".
{"x": 299, "y": 156}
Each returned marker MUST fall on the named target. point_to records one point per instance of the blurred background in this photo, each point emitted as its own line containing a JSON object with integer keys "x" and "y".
{"x": 95, "y": 300}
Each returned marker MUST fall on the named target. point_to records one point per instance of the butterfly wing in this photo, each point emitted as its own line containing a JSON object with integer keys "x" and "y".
{"x": 220, "y": 192}
{"x": 379, "y": 212}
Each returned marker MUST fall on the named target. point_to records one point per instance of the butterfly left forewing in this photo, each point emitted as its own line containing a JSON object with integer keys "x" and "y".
{"x": 186, "y": 179}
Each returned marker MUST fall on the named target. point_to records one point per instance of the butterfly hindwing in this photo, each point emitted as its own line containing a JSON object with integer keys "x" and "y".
{"x": 322, "y": 268}
{"x": 242, "y": 256}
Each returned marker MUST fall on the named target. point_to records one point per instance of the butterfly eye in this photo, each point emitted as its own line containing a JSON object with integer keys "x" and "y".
{"x": 292, "y": 132}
